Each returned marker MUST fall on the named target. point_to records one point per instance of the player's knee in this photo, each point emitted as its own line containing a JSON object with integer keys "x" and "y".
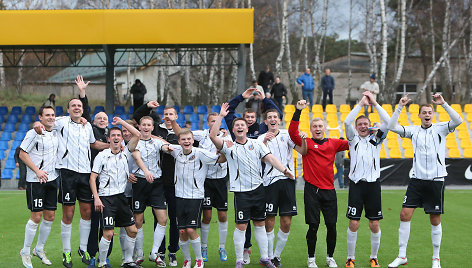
{"x": 36, "y": 217}
{"x": 405, "y": 215}
{"x": 354, "y": 225}
{"x": 191, "y": 232}
{"x": 49, "y": 216}
{"x": 374, "y": 226}
{"x": 435, "y": 219}
{"x": 108, "y": 234}
{"x": 222, "y": 217}
{"x": 132, "y": 231}
{"x": 331, "y": 226}
{"x": 285, "y": 223}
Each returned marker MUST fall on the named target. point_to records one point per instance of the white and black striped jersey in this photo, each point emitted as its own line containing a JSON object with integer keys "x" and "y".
{"x": 245, "y": 167}
{"x": 219, "y": 170}
{"x": 151, "y": 155}
{"x": 131, "y": 166}
{"x": 112, "y": 170}
{"x": 282, "y": 148}
{"x": 42, "y": 150}
{"x": 365, "y": 151}
{"x": 74, "y": 145}
{"x": 191, "y": 171}
{"x": 429, "y": 144}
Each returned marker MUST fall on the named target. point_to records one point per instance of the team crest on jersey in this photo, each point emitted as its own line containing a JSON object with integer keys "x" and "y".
{"x": 151, "y": 141}
{"x": 192, "y": 157}
{"x": 251, "y": 147}
{"x": 281, "y": 138}
{"x": 316, "y": 146}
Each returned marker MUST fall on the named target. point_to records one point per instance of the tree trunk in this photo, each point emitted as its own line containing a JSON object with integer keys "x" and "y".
{"x": 433, "y": 41}
{"x": 302, "y": 36}
{"x": 468, "y": 91}
{"x": 251, "y": 52}
{"x": 2, "y": 73}
{"x": 283, "y": 39}
{"x": 383, "y": 66}
{"x": 19, "y": 80}
{"x": 401, "y": 60}
{"x": 368, "y": 33}
{"x": 448, "y": 89}
{"x": 349, "y": 81}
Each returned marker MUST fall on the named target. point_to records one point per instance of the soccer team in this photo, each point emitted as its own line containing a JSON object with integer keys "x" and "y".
{"x": 128, "y": 174}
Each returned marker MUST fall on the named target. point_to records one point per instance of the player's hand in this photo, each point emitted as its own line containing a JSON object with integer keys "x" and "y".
{"x": 79, "y": 81}
{"x": 42, "y": 176}
{"x": 83, "y": 121}
{"x": 38, "y": 127}
{"x": 98, "y": 204}
{"x": 149, "y": 176}
{"x": 404, "y": 100}
{"x": 288, "y": 174}
{"x": 301, "y": 104}
{"x": 153, "y": 104}
{"x": 224, "y": 109}
{"x": 132, "y": 178}
{"x": 259, "y": 95}
{"x": 229, "y": 144}
{"x": 269, "y": 136}
{"x": 370, "y": 97}
{"x": 117, "y": 121}
{"x": 303, "y": 135}
{"x": 224, "y": 132}
{"x": 168, "y": 149}
{"x": 248, "y": 92}
{"x": 364, "y": 101}
{"x": 438, "y": 99}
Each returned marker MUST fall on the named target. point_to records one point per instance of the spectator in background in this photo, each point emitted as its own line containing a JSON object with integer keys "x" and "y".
{"x": 327, "y": 84}
{"x": 22, "y": 169}
{"x": 373, "y": 87}
{"x": 255, "y": 102}
{"x": 188, "y": 124}
{"x": 138, "y": 90}
{"x": 339, "y": 163}
{"x": 51, "y": 101}
{"x": 278, "y": 93}
{"x": 308, "y": 84}
{"x": 266, "y": 79}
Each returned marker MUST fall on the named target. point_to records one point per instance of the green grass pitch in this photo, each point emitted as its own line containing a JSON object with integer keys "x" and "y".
{"x": 455, "y": 250}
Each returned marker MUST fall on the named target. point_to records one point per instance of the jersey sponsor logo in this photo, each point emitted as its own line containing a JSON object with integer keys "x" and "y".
{"x": 193, "y": 222}
{"x": 436, "y": 207}
{"x": 468, "y": 173}
{"x": 294, "y": 208}
{"x": 251, "y": 147}
{"x": 316, "y": 146}
{"x": 191, "y": 158}
{"x": 379, "y": 213}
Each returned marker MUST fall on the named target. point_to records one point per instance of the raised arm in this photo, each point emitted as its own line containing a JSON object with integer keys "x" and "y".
{"x": 456, "y": 119}
{"x": 79, "y": 81}
{"x": 293, "y": 128}
{"x": 269, "y": 104}
{"x": 351, "y": 117}
{"x": 136, "y": 134}
{"x": 393, "y": 124}
{"x": 270, "y": 158}
{"x": 176, "y": 127}
{"x": 304, "y": 148}
{"x": 233, "y": 104}
{"x": 215, "y": 129}
{"x": 144, "y": 110}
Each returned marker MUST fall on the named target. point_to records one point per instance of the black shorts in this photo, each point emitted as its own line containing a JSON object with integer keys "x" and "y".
{"x": 216, "y": 194}
{"x": 250, "y": 205}
{"x": 74, "y": 186}
{"x": 116, "y": 212}
{"x": 364, "y": 194}
{"x": 280, "y": 196}
{"x": 317, "y": 200}
{"x": 147, "y": 194}
{"x": 41, "y": 196}
{"x": 425, "y": 194}
{"x": 188, "y": 213}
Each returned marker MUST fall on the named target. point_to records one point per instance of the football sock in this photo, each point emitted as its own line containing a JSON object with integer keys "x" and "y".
{"x": 197, "y": 248}
{"x": 403, "y": 236}
{"x": 239, "y": 237}
{"x": 261, "y": 238}
{"x": 84, "y": 230}
{"x": 351, "y": 238}
{"x": 30, "y": 232}
{"x": 281, "y": 241}
{"x": 374, "y": 244}
{"x": 270, "y": 244}
{"x": 128, "y": 247}
{"x": 205, "y": 231}
{"x": 44, "y": 230}
{"x": 139, "y": 243}
{"x": 185, "y": 247}
{"x": 223, "y": 233}
{"x": 123, "y": 236}
{"x": 159, "y": 233}
{"x": 103, "y": 250}
{"x": 66, "y": 230}
{"x": 436, "y": 235}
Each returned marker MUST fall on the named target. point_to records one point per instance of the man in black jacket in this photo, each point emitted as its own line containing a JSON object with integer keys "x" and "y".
{"x": 278, "y": 93}
{"x": 265, "y": 79}
{"x": 165, "y": 131}
{"x": 138, "y": 90}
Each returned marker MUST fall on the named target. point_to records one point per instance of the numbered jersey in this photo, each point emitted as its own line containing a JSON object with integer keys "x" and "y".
{"x": 219, "y": 170}
{"x": 151, "y": 155}
{"x": 42, "y": 149}
{"x": 112, "y": 170}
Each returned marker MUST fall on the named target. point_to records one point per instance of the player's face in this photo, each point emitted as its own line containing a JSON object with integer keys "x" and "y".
{"x": 186, "y": 141}
{"x": 211, "y": 121}
{"x": 240, "y": 129}
{"x": 169, "y": 116}
{"x": 426, "y": 116}
{"x": 101, "y": 120}
{"x": 317, "y": 130}
{"x": 75, "y": 109}
{"x": 48, "y": 118}
{"x": 126, "y": 135}
{"x": 146, "y": 127}
{"x": 250, "y": 118}
{"x": 272, "y": 121}
{"x": 115, "y": 139}
{"x": 362, "y": 127}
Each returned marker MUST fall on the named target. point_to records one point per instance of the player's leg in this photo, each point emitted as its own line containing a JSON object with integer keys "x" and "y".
{"x": 258, "y": 217}
{"x": 129, "y": 243}
{"x": 434, "y": 206}
{"x": 173, "y": 230}
{"x": 185, "y": 247}
{"x": 219, "y": 200}
{"x": 124, "y": 217}
{"x": 84, "y": 195}
{"x": 242, "y": 214}
{"x": 159, "y": 231}
{"x": 43, "y": 234}
{"x": 329, "y": 208}
{"x": 222, "y": 233}
{"x": 312, "y": 218}
{"x": 282, "y": 237}
{"x": 104, "y": 245}
{"x": 436, "y": 236}
{"x": 35, "y": 204}
{"x": 271, "y": 199}
{"x": 196, "y": 245}
{"x": 269, "y": 226}
{"x": 207, "y": 213}
{"x": 375, "y": 234}
{"x": 351, "y": 239}
{"x": 141, "y": 193}
{"x": 373, "y": 212}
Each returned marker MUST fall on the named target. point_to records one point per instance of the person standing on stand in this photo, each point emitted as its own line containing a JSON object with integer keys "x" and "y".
{"x": 138, "y": 90}
{"x": 278, "y": 93}
{"x": 308, "y": 84}
{"x": 327, "y": 84}
{"x": 373, "y": 87}
{"x": 266, "y": 79}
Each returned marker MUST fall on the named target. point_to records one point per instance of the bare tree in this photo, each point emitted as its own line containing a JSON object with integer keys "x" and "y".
{"x": 383, "y": 65}
{"x": 251, "y": 52}
{"x": 399, "y": 68}
{"x": 433, "y": 40}
{"x": 349, "y": 82}
{"x": 446, "y": 88}
{"x": 283, "y": 38}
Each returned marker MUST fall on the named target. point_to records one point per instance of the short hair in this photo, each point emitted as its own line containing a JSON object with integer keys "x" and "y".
{"x": 238, "y": 119}
{"x": 212, "y": 114}
{"x": 171, "y": 107}
{"x": 249, "y": 111}
{"x": 271, "y": 111}
{"x": 146, "y": 118}
{"x": 277, "y": 77}
{"x": 68, "y": 104}
{"x": 362, "y": 117}
{"x": 316, "y": 119}
{"x": 184, "y": 131}
{"x": 41, "y": 109}
{"x": 327, "y": 68}
{"x": 253, "y": 81}
{"x": 425, "y": 105}
{"x": 131, "y": 122}
{"x": 114, "y": 128}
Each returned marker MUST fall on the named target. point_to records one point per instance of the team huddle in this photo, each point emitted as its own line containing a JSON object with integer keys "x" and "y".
{"x": 126, "y": 175}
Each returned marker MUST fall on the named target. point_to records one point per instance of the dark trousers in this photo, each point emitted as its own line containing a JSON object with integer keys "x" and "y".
{"x": 278, "y": 101}
{"x": 327, "y": 93}
{"x": 169, "y": 191}
{"x": 96, "y": 233}
{"x": 22, "y": 180}
{"x": 137, "y": 102}
{"x": 247, "y": 243}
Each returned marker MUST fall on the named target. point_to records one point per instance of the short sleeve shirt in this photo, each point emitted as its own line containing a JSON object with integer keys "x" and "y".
{"x": 151, "y": 155}
{"x": 112, "y": 170}
{"x": 219, "y": 170}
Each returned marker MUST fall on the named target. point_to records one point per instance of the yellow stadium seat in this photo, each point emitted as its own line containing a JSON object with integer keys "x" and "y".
{"x": 374, "y": 118}
{"x": 452, "y": 143}
{"x": 406, "y": 143}
{"x": 408, "y": 153}
{"x": 318, "y": 115}
{"x": 383, "y": 154}
{"x": 392, "y": 144}
{"x": 457, "y": 108}
{"x": 317, "y": 108}
{"x": 466, "y": 143}
{"x": 462, "y": 127}
{"x": 332, "y": 117}
{"x": 440, "y": 109}
{"x": 295, "y": 154}
{"x": 414, "y": 108}
{"x": 463, "y": 135}
{"x": 469, "y": 117}
{"x": 306, "y": 111}
{"x": 403, "y": 121}
{"x": 333, "y": 124}
{"x": 395, "y": 153}
{"x": 344, "y": 108}
{"x": 334, "y": 134}
{"x": 468, "y": 153}
{"x": 346, "y": 154}
{"x": 289, "y": 108}
{"x": 443, "y": 117}
{"x": 331, "y": 108}
{"x": 387, "y": 108}
{"x": 468, "y": 108}
{"x": 454, "y": 153}
{"x": 451, "y": 136}
{"x": 391, "y": 135}
{"x": 343, "y": 116}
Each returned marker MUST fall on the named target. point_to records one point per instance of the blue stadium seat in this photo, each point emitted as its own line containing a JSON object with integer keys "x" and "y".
{"x": 181, "y": 117}
{"x": 188, "y": 109}
{"x": 13, "y": 118}
{"x": 18, "y": 175}
{"x": 110, "y": 125}
{"x": 16, "y": 110}
{"x": 160, "y": 110}
{"x": 2, "y": 119}
{"x": 202, "y": 109}
{"x": 131, "y": 109}
{"x": 11, "y": 154}
{"x": 98, "y": 109}
{"x": 6, "y": 136}
{"x": 124, "y": 116}
{"x": 7, "y": 174}
{"x": 15, "y": 144}
{"x": 215, "y": 108}
{"x": 36, "y": 118}
{"x": 223, "y": 124}
{"x": 119, "y": 110}
{"x": 238, "y": 115}
{"x": 194, "y": 118}
{"x": 194, "y": 126}
{"x": 181, "y": 121}
{"x": 10, "y": 163}
{"x": 23, "y": 127}
{"x": 27, "y": 118}
{"x": 3, "y": 145}
{"x": 3, "y": 110}
{"x": 30, "y": 110}
{"x": 110, "y": 117}
{"x": 2, "y": 154}
{"x": 9, "y": 127}
{"x": 59, "y": 110}
{"x": 205, "y": 126}
{"x": 177, "y": 108}
{"x": 20, "y": 135}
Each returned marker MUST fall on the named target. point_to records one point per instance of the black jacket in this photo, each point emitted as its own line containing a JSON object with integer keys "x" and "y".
{"x": 278, "y": 90}
{"x": 138, "y": 91}
{"x": 100, "y": 134}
